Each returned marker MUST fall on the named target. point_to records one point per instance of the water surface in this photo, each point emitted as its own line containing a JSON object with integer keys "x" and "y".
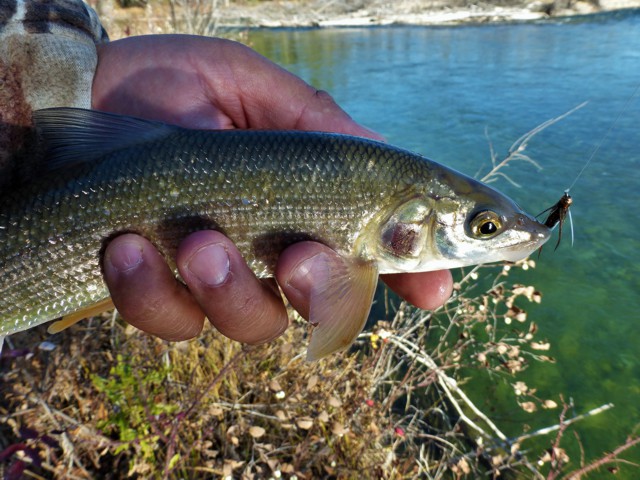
{"x": 436, "y": 90}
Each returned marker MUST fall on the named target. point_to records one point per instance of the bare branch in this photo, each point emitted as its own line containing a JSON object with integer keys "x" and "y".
{"x": 519, "y": 146}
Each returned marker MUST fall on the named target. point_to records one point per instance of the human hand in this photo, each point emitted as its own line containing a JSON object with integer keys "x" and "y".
{"x": 207, "y": 83}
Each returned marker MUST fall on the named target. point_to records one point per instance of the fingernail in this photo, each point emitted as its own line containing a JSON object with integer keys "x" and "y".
{"x": 210, "y": 265}
{"x": 126, "y": 256}
{"x": 311, "y": 271}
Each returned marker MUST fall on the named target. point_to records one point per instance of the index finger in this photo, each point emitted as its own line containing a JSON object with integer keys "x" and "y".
{"x": 426, "y": 290}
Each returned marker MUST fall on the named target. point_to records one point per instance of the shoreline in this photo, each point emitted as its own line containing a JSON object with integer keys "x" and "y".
{"x": 292, "y": 14}
{"x": 229, "y": 15}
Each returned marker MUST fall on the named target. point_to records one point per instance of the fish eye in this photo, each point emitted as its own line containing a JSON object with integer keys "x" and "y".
{"x": 485, "y": 224}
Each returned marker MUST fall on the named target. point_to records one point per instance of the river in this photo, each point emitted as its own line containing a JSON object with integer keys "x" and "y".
{"x": 435, "y": 90}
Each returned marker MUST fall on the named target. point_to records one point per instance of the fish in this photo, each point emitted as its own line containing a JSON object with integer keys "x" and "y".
{"x": 382, "y": 208}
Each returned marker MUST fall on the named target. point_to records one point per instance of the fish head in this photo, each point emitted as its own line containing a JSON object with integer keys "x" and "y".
{"x": 458, "y": 222}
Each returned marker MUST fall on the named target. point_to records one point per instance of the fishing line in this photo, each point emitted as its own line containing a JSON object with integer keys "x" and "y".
{"x": 561, "y": 209}
{"x": 593, "y": 154}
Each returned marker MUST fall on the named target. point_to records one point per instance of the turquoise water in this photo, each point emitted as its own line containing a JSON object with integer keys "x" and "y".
{"x": 436, "y": 90}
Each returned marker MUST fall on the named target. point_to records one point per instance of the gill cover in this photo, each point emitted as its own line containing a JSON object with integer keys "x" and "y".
{"x": 404, "y": 234}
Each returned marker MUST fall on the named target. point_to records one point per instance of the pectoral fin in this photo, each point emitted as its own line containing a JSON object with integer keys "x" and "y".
{"x": 339, "y": 306}
{"x": 75, "y": 317}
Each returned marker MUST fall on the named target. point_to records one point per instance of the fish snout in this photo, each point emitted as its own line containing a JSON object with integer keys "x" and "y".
{"x": 539, "y": 233}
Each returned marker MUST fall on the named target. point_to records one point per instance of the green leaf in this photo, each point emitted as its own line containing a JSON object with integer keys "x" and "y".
{"x": 174, "y": 460}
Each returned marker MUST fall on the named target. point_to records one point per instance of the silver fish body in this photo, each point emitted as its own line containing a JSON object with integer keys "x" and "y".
{"x": 375, "y": 204}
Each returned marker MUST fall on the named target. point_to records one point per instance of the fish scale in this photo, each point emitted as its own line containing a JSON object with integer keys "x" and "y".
{"x": 373, "y": 203}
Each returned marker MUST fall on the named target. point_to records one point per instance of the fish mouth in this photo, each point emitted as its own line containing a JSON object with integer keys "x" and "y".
{"x": 538, "y": 232}
{"x": 533, "y": 235}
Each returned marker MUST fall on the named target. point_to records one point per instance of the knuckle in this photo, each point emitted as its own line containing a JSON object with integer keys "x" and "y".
{"x": 172, "y": 317}
{"x": 252, "y": 319}
{"x": 323, "y": 97}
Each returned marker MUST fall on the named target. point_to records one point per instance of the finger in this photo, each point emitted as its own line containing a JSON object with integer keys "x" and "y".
{"x": 426, "y": 290}
{"x": 300, "y": 265}
{"x": 239, "y": 305}
{"x": 145, "y": 291}
{"x": 321, "y": 112}
{"x": 299, "y": 268}
{"x": 299, "y": 107}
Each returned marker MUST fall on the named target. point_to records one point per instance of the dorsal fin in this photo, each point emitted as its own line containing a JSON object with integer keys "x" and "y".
{"x": 74, "y": 135}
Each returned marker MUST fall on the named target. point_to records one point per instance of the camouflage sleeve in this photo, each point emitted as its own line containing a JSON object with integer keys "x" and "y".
{"x": 47, "y": 59}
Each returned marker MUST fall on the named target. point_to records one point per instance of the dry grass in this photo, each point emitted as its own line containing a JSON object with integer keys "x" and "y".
{"x": 110, "y": 401}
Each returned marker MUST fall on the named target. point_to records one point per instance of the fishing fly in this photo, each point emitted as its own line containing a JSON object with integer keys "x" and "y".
{"x": 559, "y": 212}
{"x": 557, "y": 216}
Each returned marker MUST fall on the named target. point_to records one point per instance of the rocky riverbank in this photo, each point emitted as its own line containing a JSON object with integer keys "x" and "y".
{"x": 200, "y": 18}
{"x": 311, "y": 13}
